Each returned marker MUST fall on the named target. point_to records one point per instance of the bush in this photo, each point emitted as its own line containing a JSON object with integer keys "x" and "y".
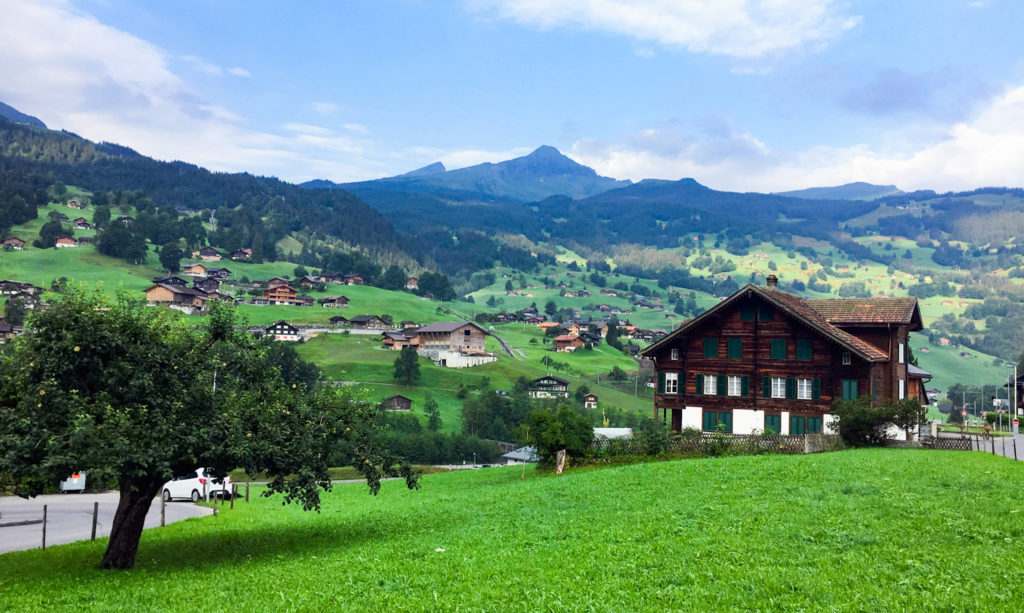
{"x": 862, "y": 425}
{"x": 653, "y": 437}
{"x": 550, "y": 431}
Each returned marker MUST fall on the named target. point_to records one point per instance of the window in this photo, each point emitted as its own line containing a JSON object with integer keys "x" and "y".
{"x": 797, "y": 424}
{"x": 849, "y": 389}
{"x": 711, "y": 347}
{"x": 671, "y": 383}
{"x": 734, "y": 348}
{"x": 778, "y": 349}
{"x": 747, "y": 313}
{"x": 902, "y": 353}
{"x": 766, "y": 313}
{"x": 902, "y": 389}
{"x": 813, "y": 425}
{"x": 710, "y": 385}
{"x": 673, "y": 354}
{"x": 803, "y": 349}
{"x": 772, "y": 423}
{"x": 734, "y": 386}
{"x": 803, "y": 389}
{"x": 846, "y": 358}
{"x": 715, "y": 420}
{"x": 778, "y": 387}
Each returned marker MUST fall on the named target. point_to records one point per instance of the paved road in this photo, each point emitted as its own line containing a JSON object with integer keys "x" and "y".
{"x": 69, "y": 518}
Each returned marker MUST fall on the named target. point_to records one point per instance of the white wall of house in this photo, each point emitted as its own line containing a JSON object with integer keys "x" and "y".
{"x": 457, "y": 359}
{"x": 746, "y": 421}
{"x": 693, "y": 418}
{"x": 830, "y": 424}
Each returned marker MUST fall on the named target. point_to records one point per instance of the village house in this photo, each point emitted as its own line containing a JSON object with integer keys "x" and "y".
{"x": 29, "y": 300}
{"x": 8, "y": 331}
{"x": 459, "y": 336}
{"x": 338, "y": 320}
{"x": 207, "y": 254}
{"x": 170, "y": 280}
{"x": 241, "y": 255}
{"x": 286, "y": 294}
{"x": 568, "y": 343}
{"x": 549, "y": 387}
{"x": 395, "y": 403}
{"x": 590, "y": 401}
{"x": 283, "y": 331}
{"x": 368, "y": 322}
{"x": 65, "y": 241}
{"x": 75, "y": 204}
{"x": 187, "y": 299}
{"x": 335, "y": 302}
{"x": 13, "y": 244}
{"x": 308, "y": 281}
{"x": 207, "y": 284}
{"x": 218, "y": 273}
{"x": 9, "y": 287}
{"x": 194, "y": 270}
{"x": 126, "y": 219}
{"x": 353, "y": 279}
{"x": 400, "y": 339}
{"x": 81, "y": 223}
{"x": 764, "y": 359}
{"x": 412, "y": 283}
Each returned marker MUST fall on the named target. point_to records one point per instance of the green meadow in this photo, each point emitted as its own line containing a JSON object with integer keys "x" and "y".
{"x": 864, "y": 530}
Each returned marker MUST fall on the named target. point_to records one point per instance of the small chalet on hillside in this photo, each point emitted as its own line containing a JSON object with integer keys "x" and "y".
{"x": 14, "y": 244}
{"x": 764, "y": 359}
{"x": 368, "y": 322}
{"x": 395, "y": 403}
{"x": 549, "y": 387}
{"x": 207, "y": 254}
{"x": 283, "y": 331}
{"x": 176, "y": 296}
{"x": 65, "y": 241}
{"x": 335, "y": 302}
{"x": 194, "y": 270}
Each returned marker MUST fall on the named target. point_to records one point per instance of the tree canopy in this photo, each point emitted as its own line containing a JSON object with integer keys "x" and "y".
{"x": 129, "y": 393}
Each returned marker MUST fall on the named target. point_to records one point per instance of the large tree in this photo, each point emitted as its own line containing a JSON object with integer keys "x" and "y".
{"x": 130, "y": 393}
{"x": 407, "y": 366}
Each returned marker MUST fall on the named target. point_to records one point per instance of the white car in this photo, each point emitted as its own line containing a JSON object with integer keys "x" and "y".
{"x": 195, "y": 485}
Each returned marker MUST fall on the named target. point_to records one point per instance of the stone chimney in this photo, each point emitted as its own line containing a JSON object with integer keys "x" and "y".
{"x": 773, "y": 281}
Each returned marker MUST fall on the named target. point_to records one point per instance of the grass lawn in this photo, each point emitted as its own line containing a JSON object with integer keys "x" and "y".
{"x": 868, "y": 530}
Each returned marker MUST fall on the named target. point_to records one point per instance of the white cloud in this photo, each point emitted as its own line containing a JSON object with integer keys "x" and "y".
{"x": 106, "y": 84}
{"x": 983, "y": 151}
{"x": 324, "y": 108}
{"x": 238, "y": 71}
{"x": 738, "y": 28}
{"x": 356, "y": 127}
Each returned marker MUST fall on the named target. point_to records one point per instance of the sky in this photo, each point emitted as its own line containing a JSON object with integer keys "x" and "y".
{"x": 742, "y": 95}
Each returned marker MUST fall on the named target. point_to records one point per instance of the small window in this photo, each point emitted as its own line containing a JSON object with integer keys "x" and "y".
{"x": 803, "y": 389}
{"x": 674, "y": 354}
{"x": 778, "y": 387}
{"x": 902, "y": 389}
{"x": 671, "y": 383}
{"x": 466, "y": 332}
{"x": 710, "y": 385}
{"x": 747, "y": 313}
{"x": 772, "y": 424}
{"x": 847, "y": 358}
{"x": 849, "y": 389}
{"x": 734, "y": 386}
{"x": 804, "y": 349}
{"x": 902, "y": 353}
{"x": 711, "y": 347}
{"x": 734, "y": 348}
{"x": 778, "y": 349}
{"x": 766, "y": 313}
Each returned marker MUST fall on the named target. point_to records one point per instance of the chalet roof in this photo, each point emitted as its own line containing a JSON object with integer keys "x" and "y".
{"x": 177, "y": 289}
{"x": 280, "y": 323}
{"x": 881, "y": 310}
{"x": 795, "y": 306}
{"x": 395, "y": 397}
{"x": 523, "y": 454}
{"x": 363, "y": 318}
{"x": 917, "y": 373}
{"x": 218, "y": 270}
{"x": 447, "y": 326}
{"x": 566, "y": 338}
{"x": 549, "y": 378}
{"x": 396, "y": 336}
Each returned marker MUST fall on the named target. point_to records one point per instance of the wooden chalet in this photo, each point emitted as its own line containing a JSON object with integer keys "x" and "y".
{"x": 339, "y": 320}
{"x": 176, "y": 296}
{"x": 286, "y": 294}
{"x": 590, "y": 401}
{"x": 308, "y": 281}
{"x": 218, "y": 273}
{"x": 65, "y": 241}
{"x": 568, "y": 343}
{"x": 764, "y": 359}
{"x": 13, "y": 244}
{"x": 207, "y": 284}
{"x": 412, "y": 283}
{"x": 400, "y": 339}
{"x": 207, "y": 254}
{"x": 241, "y": 255}
{"x": 29, "y": 300}
{"x": 368, "y": 322}
{"x": 194, "y": 270}
{"x": 75, "y": 204}
{"x": 170, "y": 280}
{"x": 8, "y": 331}
{"x": 461, "y": 336}
{"x": 277, "y": 282}
{"x": 549, "y": 387}
{"x": 353, "y": 279}
{"x": 335, "y": 302}
{"x": 395, "y": 403}
{"x": 283, "y": 331}
{"x": 81, "y": 223}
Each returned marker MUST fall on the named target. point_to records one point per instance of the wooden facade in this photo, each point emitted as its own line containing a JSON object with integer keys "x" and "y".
{"x": 765, "y": 359}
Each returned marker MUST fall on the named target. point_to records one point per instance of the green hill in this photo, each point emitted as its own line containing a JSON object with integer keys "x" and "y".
{"x": 873, "y": 530}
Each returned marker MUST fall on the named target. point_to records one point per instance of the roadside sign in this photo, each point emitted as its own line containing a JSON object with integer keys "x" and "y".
{"x": 1016, "y": 422}
{"x": 963, "y": 413}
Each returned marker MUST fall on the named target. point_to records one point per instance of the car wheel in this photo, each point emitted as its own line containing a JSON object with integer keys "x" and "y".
{"x": 195, "y": 495}
{"x": 167, "y": 495}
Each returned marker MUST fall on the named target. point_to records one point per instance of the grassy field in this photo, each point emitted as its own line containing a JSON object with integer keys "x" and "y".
{"x": 870, "y": 530}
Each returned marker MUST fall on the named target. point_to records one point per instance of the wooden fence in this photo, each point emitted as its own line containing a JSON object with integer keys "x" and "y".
{"x": 714, "y": 444}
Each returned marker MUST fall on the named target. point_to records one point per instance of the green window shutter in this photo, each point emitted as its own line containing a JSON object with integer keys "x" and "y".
{"x": 773, "y": 423}
{"x": 725, "y": 418}
{"x": 874, "y": 390}
{"x": 804, "y": 349}
{"x": 700, "y": 384}
{"x": 766, "y": 313}
{"x": 747, "y": 313}
{"x": 796, "y": 425}
{"x": 813, "y": 425}
{"x": 709, "y": 421}
{"x": 721, "y": 381}
{"x": 791, "y": 388}
{"x": 778, "y": 349}
{"x": 849, "y": 389}
{"x": 815, "y": 389}
{"x": 661, "y": 383}
{"x": 766, "y": 387}
{"x": 734, "y": 348}
{"x": 711, "y": 347}
{"x": 744, "y": 386}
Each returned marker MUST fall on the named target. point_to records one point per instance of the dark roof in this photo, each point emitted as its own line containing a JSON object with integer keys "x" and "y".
{"x": 363, "y": 318}
{"x": 555, "y": 379}
{"x": 881, "y": 310}
{"x": 447, "y": 326}
{"x": 396, "y": 396}
{"x": 191, "y": 291}
{"x": 918, "y": 373}
{"x": 797, "y": 307}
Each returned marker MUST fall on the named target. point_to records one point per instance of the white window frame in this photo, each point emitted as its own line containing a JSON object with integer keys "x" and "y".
{"x": 710, "y": 385}
{"x": 674, "y": 353}
{"x": 902, "y": 389}
{"x": 671, "y": 383}
{"x": 903, "y": 353}
{"x": 734, "y": 385}
{"x": 847, "y": 358}
{"x": 804, "y": 389}
{"x": 778, "y": 387}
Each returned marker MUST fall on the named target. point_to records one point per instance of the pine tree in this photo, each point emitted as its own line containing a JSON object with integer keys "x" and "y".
{"x": 407, "y": 366}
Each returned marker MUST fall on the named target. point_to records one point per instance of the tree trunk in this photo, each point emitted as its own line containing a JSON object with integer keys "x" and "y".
{"x": 136, "y": 497}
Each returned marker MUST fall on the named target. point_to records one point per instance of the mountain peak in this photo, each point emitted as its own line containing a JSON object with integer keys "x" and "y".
{"x": 12, "y": 114}
{"x": 429, "y": 169}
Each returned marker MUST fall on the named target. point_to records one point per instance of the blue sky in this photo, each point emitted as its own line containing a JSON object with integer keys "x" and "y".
{"x": 748, "y": 95}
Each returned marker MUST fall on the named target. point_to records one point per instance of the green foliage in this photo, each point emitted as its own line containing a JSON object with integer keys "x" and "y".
{"x": 170, "y": 256}
{"x": 121, "y": 241}
{"x": 551, "y": 430}
{"x": 50, "y": 232}
{"x": 908, "y": 414}
{"x": 393, "y": 278}
{"x": 407, "y": 366}
{"x": 862, "y": 425}
{"x": 617, "y": 374}
{"x": 431, "y": 408}
{"x": 15, "y": 311}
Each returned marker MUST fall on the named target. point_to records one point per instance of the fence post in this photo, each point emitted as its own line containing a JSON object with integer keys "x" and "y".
{"x": 1015, "y": 448}
{"x": 95, "y": 518}
{"x": 163, "y": 511}
{"x": 215, "y": 509}
{"x": 993, "y": 445}
{"x": 247, "y": 491}
{"x": 44, "y": 526}
{"x": 234, "y": 492}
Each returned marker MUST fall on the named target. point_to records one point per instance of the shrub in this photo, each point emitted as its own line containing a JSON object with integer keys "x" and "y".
{"x": 551, "y": 430}
{"x": 862, "y": 425}
{"x": 653, "y": 437}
